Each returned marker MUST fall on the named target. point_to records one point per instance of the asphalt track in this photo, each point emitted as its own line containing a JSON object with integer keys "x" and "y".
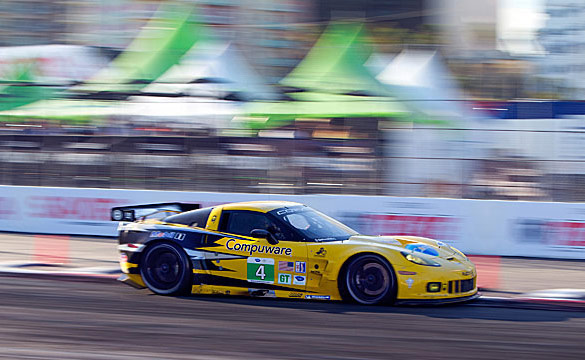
{"x": 43, "y": 318}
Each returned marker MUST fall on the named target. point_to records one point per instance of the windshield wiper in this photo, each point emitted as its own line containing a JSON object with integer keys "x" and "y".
{"x": 326, "y": 239}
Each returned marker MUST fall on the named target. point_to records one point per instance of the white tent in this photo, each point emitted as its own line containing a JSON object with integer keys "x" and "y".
{"x": 213, "y": 69}
{"x": 206, "y": 112}
{"x": 425, "y": 155}
{"x": 52, "y": 63}
{"x": 206, "y": 74}
{"x": 423, "y": 82}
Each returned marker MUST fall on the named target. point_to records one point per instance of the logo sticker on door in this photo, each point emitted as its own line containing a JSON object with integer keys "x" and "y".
{"x": 284, "y": 278}
{"x": 260, "y": 270}
{"x": 299, "y": 280}
{"x": 300, "y": 266}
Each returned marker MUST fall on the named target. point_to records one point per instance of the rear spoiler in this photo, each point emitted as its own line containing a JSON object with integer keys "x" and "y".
{"x": 131, "y": 213}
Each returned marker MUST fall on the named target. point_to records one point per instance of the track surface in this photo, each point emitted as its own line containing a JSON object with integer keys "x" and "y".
{"x": 57, "y": 319}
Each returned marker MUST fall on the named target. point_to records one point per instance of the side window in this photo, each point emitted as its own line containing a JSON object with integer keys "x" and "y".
{"x": 243, "y": 222}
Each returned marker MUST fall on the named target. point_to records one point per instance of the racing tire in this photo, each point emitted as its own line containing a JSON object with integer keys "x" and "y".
{"x": 368, "y": 280}
{"x": 166, "y": 269}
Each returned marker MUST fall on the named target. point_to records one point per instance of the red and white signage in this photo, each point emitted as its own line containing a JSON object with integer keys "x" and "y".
{"x": 504, "y": 228}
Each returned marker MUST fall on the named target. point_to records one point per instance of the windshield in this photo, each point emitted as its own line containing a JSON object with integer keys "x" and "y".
{"x": 312, "y": 224}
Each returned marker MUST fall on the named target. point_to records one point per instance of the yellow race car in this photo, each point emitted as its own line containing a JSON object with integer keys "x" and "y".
{"x": 284, "y": 250}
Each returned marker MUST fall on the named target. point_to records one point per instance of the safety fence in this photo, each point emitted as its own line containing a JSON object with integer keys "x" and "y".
{"x": 504, "y": 228}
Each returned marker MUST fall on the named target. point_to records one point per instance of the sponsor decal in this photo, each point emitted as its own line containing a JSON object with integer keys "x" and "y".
{"x": 7, "y": 207}
{"x": 168, "y": 235}
{"x": 284, "y": 278}
{"x": 285, "y": 265}
{"x": 409, "y": 282}
{"x": 318, "y": 297}
{"x": 287, "y": 211}
{"x": 260, "y": 270}
{"x": 232, "y": 244}
{"x": 75, "y": 208}
{"x": 299, "y": 280}
{"x": 321, "y": 253}
{"x": 300, "y": 267}
{"x": 566, "y": 233}
{"x": 295, "y": 295}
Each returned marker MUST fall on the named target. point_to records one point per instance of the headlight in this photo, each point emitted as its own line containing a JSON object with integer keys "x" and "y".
{"x": 452, "y": 249}
{"x": 419, "y": 259}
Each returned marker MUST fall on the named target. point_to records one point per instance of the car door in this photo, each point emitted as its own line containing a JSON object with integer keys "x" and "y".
{"x": 262, "y": 265}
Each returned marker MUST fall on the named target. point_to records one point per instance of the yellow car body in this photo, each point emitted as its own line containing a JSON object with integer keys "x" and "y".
{"x": 227, "y": 263}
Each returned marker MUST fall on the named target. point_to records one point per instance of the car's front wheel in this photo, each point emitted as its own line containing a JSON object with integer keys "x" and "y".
{"x": 166, "y": 270}
{"x": 368, "y": 280}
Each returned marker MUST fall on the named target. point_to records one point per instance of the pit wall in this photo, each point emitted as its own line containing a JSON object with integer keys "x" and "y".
{"x": 504, "y": 228}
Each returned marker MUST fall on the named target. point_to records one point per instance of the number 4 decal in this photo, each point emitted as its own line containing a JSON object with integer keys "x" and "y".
{"x": 260, "y": 270}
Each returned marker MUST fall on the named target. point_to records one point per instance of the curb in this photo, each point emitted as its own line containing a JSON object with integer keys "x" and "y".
{"x": 92, "y": 273}
{"x": 574, "y": 298}
{"x": 529, "y": 302}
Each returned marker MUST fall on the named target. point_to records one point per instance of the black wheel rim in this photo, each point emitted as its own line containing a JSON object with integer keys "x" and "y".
{"x": 368, "y": 281}
{"x": 163, "y": 268}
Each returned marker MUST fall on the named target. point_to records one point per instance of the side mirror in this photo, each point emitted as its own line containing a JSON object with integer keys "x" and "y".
{"x": 264, "y": 234}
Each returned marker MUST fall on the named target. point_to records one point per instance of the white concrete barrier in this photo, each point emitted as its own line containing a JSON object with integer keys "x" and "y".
{"x": 505, "y": 228}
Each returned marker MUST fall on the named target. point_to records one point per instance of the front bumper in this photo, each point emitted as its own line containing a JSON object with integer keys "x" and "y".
{"x": 441, "y": 301}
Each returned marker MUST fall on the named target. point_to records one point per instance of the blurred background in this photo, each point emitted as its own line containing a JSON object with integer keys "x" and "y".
{"x": 423, "y": 98}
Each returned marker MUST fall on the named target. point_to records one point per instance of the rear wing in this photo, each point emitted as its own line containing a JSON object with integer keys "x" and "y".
{"x": 133, "y": 212}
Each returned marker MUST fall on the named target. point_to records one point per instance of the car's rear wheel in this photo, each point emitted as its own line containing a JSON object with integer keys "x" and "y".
{"x": 368, "y": 280}
{"x": 166, "y": 270}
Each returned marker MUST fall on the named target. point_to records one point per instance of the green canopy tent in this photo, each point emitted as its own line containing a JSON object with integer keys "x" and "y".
{"x": 22, "y": 90}
{"x": 67, "y": 111}
{"x": 164, "y": 40}
{"x": 318, "y": 105}
{"x": 160, "y": 45}
{"x": 335, "y": 64}
{"x": 332, "y": 82}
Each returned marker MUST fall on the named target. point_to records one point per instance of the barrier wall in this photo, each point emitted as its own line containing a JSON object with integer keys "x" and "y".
{"x": 506, "y": 228}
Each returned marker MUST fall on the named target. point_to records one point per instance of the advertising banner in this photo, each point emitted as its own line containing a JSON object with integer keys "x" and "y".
{"x": 505, "y": 228}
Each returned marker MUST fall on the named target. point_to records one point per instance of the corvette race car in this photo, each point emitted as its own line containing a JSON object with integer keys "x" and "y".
{"x": 284, "y": 250}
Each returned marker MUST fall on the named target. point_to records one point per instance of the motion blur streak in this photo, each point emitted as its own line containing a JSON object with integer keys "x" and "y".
{"x": 428, "y": 107}
{"x": 96, "y": 320}
{"x": 401, "y": 98}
